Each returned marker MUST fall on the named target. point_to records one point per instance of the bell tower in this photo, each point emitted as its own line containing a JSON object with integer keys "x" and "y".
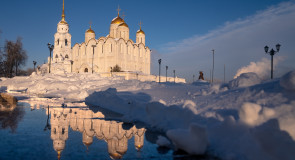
{"x": 62, "y": 40}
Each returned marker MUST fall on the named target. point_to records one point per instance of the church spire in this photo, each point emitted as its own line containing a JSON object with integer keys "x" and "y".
{"x": 63, "y": 11}
{"x": 118, "y": 10}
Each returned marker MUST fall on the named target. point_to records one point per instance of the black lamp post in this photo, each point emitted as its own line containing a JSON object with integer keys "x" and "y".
{"x": 166, "y": 72}
{"x": 174, "y": 75}
{"x": 111, "y": 71}
{"x": 272, "y": 53}
{"x": 93, "y": 46}
{"x": 50, "y": 47}
{"x": 34, "y": 62}
{"x": 159, "y": 61}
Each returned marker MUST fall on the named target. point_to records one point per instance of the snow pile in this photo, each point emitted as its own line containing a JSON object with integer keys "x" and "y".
{"x": 234, "y": 120}
{"x": 69, "y": 86}
{"x": 288, "y": 81}
{"x": 194, "y": 141}
{"x": 245, "y": 80}
{"x": 163, "y": 142}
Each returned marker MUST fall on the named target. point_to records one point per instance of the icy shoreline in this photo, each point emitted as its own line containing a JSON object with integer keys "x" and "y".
{"x": 244, "y": 119}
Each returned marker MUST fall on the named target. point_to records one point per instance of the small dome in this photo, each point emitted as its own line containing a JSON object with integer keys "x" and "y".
{"x": 140, "y": 32}
{"x": 124, "y": 24}
{"x": 117, "y": 20}
{"x": 90, "y": 30}
{"x": 63, "y": 22}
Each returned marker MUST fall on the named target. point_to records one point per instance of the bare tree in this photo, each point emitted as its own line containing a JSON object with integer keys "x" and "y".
{"x": 13, "y": 57}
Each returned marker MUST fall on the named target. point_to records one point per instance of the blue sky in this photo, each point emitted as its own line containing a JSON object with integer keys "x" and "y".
{"x": 174, "y": 29}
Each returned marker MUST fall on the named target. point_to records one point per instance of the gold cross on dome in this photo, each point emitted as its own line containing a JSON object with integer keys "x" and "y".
{"x": 90, "y": 23}
{"x": 140, "y": 24}
{"x": 118, "y": 9}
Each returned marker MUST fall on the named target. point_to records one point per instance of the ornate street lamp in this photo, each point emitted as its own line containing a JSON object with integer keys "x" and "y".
{"x": 50, "y": 47}
{"x": 159, "y": 61}
{"x": 166, "y": 72}
{"x": 272, "y": 52}
{"x": 93, "y": 46}
{"x": 34, "y": 62}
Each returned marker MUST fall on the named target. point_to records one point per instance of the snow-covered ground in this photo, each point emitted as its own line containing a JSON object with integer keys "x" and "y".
{"x": 247, "y": 118}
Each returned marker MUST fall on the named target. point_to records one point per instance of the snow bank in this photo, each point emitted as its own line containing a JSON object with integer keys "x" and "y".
{"x": 288, "y": 81}
{"x": 245, "y": 80}
{"x": 163, "y": 142}
{"x": 193, "y": 141}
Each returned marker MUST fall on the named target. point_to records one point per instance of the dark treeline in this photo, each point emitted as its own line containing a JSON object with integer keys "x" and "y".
{"x": 12, "y": 58}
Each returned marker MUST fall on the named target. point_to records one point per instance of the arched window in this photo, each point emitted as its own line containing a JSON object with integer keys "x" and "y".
{"x": 86, "y": 70}
{"x": 57, "y": 41}
{"x": 66, "y": 42}
{"x": 66, "y": 56}
{"x": 56, "y": 56}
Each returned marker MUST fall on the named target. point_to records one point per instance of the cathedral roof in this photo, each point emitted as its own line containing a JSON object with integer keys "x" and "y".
{"x": 140, "y": 31}
{"x": 117, "y": 20}
{"x": 124, "y": 24}
{"x": 90, "y": 30}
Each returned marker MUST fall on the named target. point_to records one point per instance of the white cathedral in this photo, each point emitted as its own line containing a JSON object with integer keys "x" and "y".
{"x": 103, "y": 54}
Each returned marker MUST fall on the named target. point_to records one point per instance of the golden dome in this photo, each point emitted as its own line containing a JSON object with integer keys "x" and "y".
{"x": 117, "y": 20}
{"x": 124, "y": 24}
{"x": 140, "y": 31}
{"x": 63, "y": 22}
{"x": 90, "y": 30}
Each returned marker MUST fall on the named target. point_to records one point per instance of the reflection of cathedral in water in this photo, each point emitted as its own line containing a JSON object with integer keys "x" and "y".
{"x": 92, "y": 125}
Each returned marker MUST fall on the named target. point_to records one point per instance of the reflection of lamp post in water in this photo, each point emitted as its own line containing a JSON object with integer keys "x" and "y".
{"x": 47, "y": 123}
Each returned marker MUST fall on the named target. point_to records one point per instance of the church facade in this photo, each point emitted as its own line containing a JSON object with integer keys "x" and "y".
{"x": 101, "y": 55}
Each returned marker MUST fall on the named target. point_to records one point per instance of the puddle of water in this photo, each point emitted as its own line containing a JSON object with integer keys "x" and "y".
{"x": 75, "y": 132}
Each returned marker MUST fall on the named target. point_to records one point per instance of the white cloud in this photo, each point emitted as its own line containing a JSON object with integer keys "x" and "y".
{"x": 237, "y": 43}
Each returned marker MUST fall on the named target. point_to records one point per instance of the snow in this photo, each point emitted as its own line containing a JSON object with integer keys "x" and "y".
{"x": 245, "y": 80}
{"x": 288, "y": 81}
{"x": 194, "y": 141}
{"x": 247, "y": 118}
{"x": 163, "y": 141}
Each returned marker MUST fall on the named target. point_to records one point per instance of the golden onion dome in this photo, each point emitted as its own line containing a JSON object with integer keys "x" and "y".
{"x": 117, "y": 20}
{"x": 63, "y": 22}
{"x": 90, "y": 30}
{"x": 124, "y": 24}
{"x": 140, "y": 31}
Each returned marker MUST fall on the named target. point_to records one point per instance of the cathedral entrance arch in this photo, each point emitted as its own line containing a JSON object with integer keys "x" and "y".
{"x": 86, "y": 70}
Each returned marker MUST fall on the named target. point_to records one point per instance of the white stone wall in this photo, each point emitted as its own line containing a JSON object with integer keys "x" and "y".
{"x": 110, "y": 52}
